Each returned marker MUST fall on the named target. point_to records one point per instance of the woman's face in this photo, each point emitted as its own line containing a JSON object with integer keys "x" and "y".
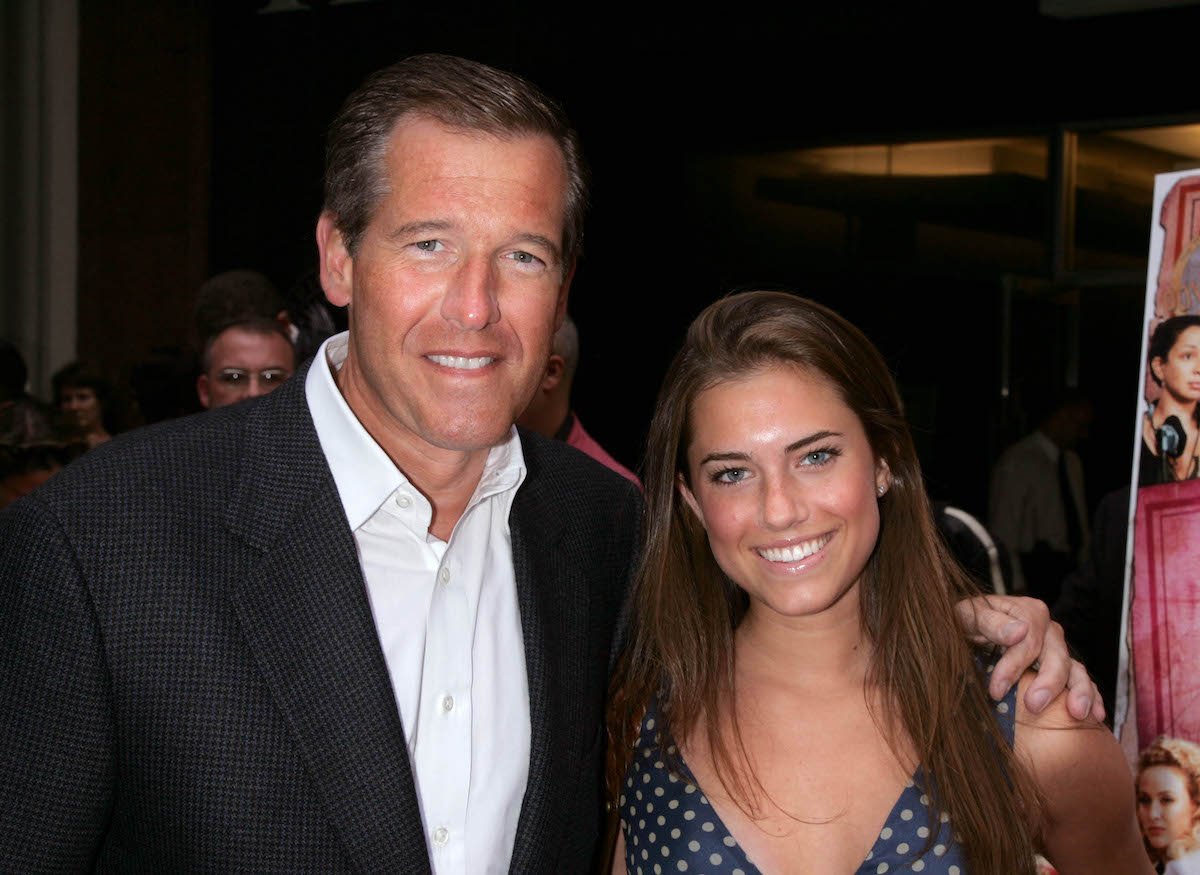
{"x": 1166, "y": 811}
{"x": 82, "y": 405}
{"x": 785, "y": 483}
{"x": 1179, "y": 372}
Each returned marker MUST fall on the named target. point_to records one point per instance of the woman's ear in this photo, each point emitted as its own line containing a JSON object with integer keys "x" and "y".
{"x": 1156, "y": 364}
{"x": 685, "y": 492}
{"x": 883, "y": 478}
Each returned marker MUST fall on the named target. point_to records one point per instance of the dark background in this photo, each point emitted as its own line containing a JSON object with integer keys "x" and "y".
{"x": 201, "y": 129}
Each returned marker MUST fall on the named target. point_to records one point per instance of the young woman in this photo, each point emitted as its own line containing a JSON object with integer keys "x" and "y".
{"x": 796, "y": 696}
{"x": 1174, "y": 360}
{"x": 1168, "y": 802}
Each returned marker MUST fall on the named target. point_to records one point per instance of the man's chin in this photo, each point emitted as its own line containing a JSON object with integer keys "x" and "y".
{"x": 470, "y": 437}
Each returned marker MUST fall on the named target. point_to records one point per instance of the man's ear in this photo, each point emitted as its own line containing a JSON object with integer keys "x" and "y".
{"x": 689, "y": 498}
{"x": 555, "y": 368}
{"x": 336, "y": 263}
{"x": 202, "y": 390}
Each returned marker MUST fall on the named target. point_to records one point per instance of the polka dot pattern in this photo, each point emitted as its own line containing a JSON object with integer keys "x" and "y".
{"x": 670, "y": 827}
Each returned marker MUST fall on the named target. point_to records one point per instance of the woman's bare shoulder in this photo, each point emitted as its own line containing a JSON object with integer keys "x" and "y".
{"x": 1086, "y": 787}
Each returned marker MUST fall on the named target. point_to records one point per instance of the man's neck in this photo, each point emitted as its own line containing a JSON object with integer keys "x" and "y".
{"x": 564, "y": 429}
{"x": 446, "y": 477}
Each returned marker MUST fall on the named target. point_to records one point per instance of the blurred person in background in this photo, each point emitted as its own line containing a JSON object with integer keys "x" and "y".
{"x": 550, "y": 413}
{"x": 248, "y": 358}
{"x": 82, "y": 395}
{"x": 32, "y": 450}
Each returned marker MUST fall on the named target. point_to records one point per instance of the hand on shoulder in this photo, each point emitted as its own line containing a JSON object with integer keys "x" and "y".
{"x": 1029, "y": 636}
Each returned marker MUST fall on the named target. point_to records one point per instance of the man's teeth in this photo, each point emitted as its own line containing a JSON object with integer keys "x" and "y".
{"x": 796, "y": 552}
{"x": 462, "y": 363}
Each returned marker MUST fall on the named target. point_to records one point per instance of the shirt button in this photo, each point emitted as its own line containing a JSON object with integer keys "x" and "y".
{"x": 444, "y": 575}
{"x": 441, "y": 835}
{"x": 403, "y": 501}
{"x": 447, "y": 703}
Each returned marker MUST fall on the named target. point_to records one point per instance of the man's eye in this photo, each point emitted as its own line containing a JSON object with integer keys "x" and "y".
{"x": 429, "y": 245}
{"x": 274, "y": 376}
{"x": 232, "y": 376}
{"x": 522, "y": 257}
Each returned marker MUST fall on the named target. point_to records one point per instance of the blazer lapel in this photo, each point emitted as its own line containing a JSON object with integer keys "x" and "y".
{"x": 307, "y": 621}
{"x": 553, "y": 599}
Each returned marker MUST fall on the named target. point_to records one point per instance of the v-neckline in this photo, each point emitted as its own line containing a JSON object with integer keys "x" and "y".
{"x": 910, "y": 786}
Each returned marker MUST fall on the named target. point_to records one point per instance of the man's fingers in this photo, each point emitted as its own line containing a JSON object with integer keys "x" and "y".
{"x": 1031, "y": 640}
{"x": 1083, "y": 696}
{"x": 985, "y": 620}
{"x": 1018, "y": 624}
{"x": 1053, "y": 663}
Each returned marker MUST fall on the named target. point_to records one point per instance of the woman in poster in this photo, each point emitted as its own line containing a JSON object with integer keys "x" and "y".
{"x": 1168, "y": 804}
{"x": 1170, "y": 431}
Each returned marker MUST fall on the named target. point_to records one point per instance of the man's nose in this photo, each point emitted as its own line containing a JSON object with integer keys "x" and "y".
{"x": 470, "y": 300}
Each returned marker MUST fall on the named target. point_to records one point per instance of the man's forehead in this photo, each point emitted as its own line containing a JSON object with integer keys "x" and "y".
{"x": 422, "y": 144}
{"x": 439, "y": 177}
{"x": 237, "y": 340}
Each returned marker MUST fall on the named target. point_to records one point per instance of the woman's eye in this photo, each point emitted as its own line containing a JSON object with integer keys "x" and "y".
{"x": 730, "y": 475}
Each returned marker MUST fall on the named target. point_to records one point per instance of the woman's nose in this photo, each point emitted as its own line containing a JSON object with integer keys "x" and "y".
{"x": 783, "y": 503}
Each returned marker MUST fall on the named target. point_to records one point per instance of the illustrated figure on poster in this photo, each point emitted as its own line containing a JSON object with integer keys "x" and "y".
{"x": 1170, "y": 429}
{"x": 1168, "y": 804}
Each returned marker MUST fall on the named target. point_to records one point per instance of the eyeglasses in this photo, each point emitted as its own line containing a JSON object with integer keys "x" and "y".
{"x": 237, "y": 377}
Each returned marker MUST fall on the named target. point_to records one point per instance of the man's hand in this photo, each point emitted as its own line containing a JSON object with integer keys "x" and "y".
{"x": 1031, "y": 640}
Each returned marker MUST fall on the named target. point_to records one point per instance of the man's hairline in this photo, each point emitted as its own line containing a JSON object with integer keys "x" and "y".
{"x": 250, "y": 326}
{"x": 382, "y": 188}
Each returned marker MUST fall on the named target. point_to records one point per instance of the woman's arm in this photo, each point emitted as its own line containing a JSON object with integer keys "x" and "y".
{"x": 1088, "y": 820}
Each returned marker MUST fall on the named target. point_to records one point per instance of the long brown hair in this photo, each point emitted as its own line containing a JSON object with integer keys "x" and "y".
{"x": 685, "y": 610}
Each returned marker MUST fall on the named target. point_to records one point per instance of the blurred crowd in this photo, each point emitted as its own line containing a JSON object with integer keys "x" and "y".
{"x": 247, "y": 338}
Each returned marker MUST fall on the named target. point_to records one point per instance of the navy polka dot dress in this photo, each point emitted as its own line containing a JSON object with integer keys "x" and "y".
{"x": 670, "y": 827}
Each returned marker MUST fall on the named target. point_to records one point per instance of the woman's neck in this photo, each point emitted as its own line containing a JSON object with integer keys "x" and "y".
{"x": 1169, "y": 405}
{"x": 812, "y": 656}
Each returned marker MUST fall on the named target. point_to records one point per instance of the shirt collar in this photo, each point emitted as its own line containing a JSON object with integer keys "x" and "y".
{"x": 364, "y": 475}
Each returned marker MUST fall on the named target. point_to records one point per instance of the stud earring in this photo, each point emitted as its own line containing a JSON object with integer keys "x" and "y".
{"x": 881, "y": 489}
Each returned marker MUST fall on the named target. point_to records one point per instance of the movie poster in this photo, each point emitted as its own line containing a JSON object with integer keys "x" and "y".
{"x": 1158, "y": 701}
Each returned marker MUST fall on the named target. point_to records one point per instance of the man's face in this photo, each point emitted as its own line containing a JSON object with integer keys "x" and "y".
{"x": 456, "y": 289}
{"x": 243, "y": 364}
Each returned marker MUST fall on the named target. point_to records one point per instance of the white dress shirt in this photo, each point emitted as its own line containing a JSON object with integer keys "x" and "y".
{"x": 450, "y": 628}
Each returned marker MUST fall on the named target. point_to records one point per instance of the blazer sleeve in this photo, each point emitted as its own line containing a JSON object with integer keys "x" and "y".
{"x": 57, "y": 757}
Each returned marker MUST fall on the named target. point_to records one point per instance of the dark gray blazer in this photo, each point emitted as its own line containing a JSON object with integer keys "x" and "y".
{"x": 190, "y": 677}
